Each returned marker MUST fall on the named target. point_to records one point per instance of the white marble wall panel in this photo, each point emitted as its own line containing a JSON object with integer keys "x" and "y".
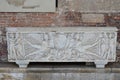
{"x": 27, "y": 5}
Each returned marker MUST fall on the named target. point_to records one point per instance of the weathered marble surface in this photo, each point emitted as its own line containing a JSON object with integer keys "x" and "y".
{"x": 59, "y": 76}
{"x": 27, "y": 6}
{"x": 97, "y": 6}
{"x": 58, "y": 73}
{"x": 63, "y": 44}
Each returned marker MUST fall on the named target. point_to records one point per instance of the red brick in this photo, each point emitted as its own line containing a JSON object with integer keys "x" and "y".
{"x": 51, "y": 19}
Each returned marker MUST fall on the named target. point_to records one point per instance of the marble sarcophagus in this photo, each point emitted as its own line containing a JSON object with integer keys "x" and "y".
{"x": 61, "y": 44}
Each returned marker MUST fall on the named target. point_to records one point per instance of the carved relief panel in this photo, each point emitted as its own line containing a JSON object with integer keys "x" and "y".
{"x": 27, "y": 5}
{"x": 62, "y": 46}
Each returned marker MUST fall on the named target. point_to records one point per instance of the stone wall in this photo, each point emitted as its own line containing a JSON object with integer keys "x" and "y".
{"x": 69, "y": 13}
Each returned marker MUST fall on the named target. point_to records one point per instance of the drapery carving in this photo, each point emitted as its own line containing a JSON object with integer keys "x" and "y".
{"x": 62, "y": 46}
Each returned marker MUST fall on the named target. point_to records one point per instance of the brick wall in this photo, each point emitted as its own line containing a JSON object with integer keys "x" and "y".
{"x": 65, "y": 15}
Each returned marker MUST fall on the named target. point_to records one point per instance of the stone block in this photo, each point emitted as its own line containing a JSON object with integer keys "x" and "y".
{"x": 85, "y": 76}
{"x": 32, "y": 76}
{"x": 95, "y": 5}
{"x": 58, "y": 76}
{"x": 93, "y": 18}
{"x": 117, "y": 76}
{"x": 46, "y": 76}
{"x": 104, "y": 76}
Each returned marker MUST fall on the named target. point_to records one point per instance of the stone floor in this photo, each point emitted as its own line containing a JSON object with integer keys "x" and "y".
{"x": 58, "y": 71}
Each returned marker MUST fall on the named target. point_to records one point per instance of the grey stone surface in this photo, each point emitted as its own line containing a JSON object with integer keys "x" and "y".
{"x": 71, "y": 76}
{"x": 11, "y": 72}
{"x": 59, "y": 76}
{"x": 11, "y": 76}
{"x": 85, "y": 76}
{"x": 117, "y": 76}
{"x": 27, "y": 6}
{"x": 93, "y": 18}
{"x": 92, "y": 5}
{"x": 103, "y": 76}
